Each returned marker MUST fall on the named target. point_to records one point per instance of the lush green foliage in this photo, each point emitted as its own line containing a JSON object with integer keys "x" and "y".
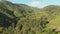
{"x": 23, "y": 19}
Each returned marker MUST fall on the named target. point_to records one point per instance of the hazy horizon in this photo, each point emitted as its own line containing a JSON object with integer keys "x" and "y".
{"x": 36, "y": 3}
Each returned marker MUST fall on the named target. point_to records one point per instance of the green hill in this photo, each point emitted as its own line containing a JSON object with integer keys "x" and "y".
{"x": 23, "y": 19}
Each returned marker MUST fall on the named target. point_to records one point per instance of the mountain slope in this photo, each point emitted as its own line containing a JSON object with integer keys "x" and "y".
{"x": 23, "y": 19}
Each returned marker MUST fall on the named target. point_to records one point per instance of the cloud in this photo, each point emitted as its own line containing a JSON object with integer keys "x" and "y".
{"x": 35, "y": 4}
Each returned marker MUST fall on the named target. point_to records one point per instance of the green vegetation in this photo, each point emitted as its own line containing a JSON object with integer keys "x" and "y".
{"x": 23, "y": 19}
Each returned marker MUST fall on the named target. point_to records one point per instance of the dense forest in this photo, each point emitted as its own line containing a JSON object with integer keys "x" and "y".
{"x": 23, "y": 19}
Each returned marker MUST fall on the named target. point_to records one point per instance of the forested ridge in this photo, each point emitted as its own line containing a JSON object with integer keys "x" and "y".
{"x": 23, "y": 19}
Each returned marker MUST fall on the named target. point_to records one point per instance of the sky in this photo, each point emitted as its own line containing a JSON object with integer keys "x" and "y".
{"x": 37, "y": 3}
